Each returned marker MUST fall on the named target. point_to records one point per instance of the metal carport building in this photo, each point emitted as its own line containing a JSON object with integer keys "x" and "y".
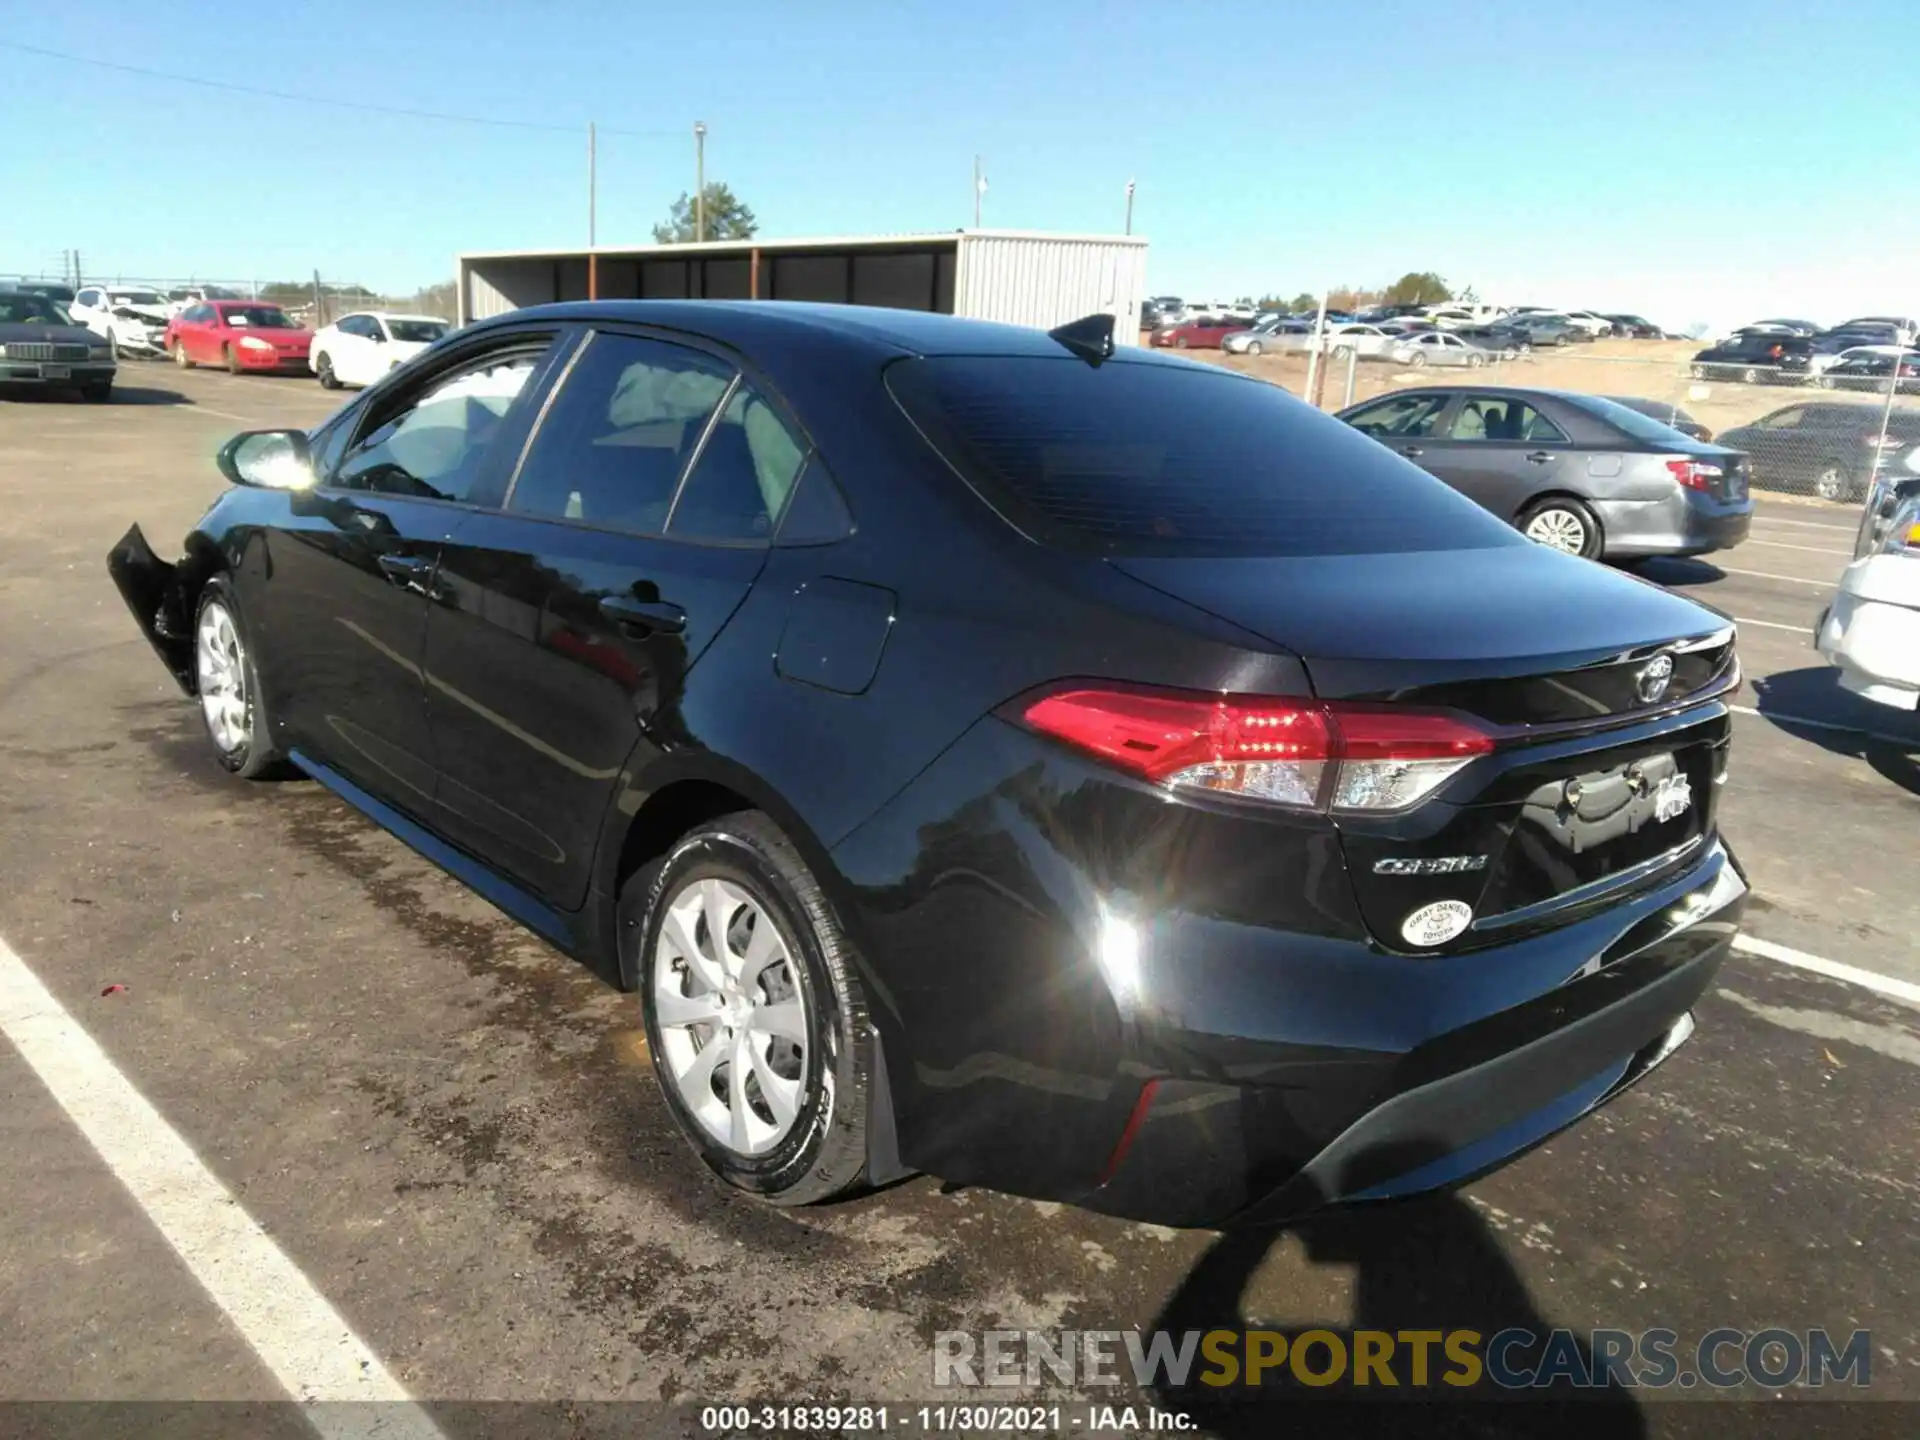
{"x": 1021, "y": 277}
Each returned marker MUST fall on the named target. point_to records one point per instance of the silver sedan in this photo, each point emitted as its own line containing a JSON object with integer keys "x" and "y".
{"x": 1437, "y": 347}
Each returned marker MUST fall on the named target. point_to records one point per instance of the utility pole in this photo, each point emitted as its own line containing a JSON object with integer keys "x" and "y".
{"x": 979, "y": 189}
{"x": 319, "y": 313}
{"x": 1129, "y": 207}
{"x": 699, "y": 181}
{"x": 77, "y": 281}
{"x": 593, "y": 184}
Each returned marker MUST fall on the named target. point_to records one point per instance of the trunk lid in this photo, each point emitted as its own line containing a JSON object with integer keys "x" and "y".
{"x": 1603, "y": 779}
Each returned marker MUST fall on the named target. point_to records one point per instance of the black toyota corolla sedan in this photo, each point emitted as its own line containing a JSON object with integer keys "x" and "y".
{"x": 988, "y": 753}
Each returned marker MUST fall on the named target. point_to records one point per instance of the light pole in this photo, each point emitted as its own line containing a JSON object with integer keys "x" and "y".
{"x": 593, "y": 184}
{"x": 1129, "y": 207}
{"x": 699, "y": 181}
{"x": 979, "y": 189}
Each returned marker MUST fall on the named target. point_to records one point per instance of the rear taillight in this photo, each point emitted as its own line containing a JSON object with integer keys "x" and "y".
{"x": 1340, "y": 757}
{"x": 1694, "y": 475}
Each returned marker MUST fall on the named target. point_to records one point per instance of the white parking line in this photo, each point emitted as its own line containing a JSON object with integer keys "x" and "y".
{"x": 1790, "y": 579}
{"x": 301, "y": 1338}
{"x": 1812, "y": 724}
{"x": 1809, "y": 549}
{"x": 1803, "y": 524}
{"x": 1773, "y": 625}
{"x": 1867, "y": 979}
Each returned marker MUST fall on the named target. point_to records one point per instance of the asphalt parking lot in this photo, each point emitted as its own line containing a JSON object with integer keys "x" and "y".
{"x": 451, "y": 1132}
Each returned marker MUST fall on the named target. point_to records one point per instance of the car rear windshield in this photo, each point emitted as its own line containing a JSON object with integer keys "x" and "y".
{"x": 1134, "y": 457}
{"x": 1633, "y": 423}
{"x": 417, "y": 332}
{"x": 261, "y": 317}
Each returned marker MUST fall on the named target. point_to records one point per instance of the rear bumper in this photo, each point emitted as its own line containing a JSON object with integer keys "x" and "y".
{"x": 1464, "y": 1102}
{"x": 1873, "y": 637}
{"x": 1684, "y": 523}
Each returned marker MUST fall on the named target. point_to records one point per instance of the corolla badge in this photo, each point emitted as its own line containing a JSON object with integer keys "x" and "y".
{"x": 1651, "y": 683}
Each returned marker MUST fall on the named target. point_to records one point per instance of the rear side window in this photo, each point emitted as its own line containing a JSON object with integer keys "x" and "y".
{"x": 1143, "y": 458}
{"x": 743, "y": 477}
{"x": 617, "y": 438}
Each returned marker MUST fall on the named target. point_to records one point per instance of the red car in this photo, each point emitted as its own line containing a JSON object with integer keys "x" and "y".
{"x": 239, "y": 334}
{"x": 1200, "y": 334}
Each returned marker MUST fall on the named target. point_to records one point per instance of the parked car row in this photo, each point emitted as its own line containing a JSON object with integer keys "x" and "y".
{"x": 1866, "y": 353}
{"x": 1578, "y": 473}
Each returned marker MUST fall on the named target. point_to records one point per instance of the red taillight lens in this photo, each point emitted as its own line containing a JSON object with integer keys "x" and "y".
{"x": 1694, "y": 475}
{"x": 1285, "y": 752}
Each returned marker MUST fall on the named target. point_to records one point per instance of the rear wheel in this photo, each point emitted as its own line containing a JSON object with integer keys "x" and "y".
{"x": 180, "y": 355}
{"x": 756, "y": 1020}
{"x": 1750, "y": 375}
{"x": 1417, "y": 361}
{"x": 228, "y": 684}
{"x": 1179, "y": 342}
{"x": 1254, "y": 347}
{"x": 1830, "y": 482}
{"x": 1562, "y": 523}
{"x": 1475, "y": 361}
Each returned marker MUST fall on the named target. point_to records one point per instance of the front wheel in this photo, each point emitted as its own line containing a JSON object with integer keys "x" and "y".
{"x": 1750, "y": 375}
{"x": 1564, "y": 524}
{"x": 1830, "y": 482}
{"x": 1417, "y": 362}
{"x": 1474, "y": 362}
{"x": 756, "y": 1019}
{"x": 99, "y": 392}
{"x": 1179, "y": 342}
{"x": 228, "y": 684}
{"x": 1254, "y": 347}
{"x": 180, "y": 355}
{"x": 232, "y": 357}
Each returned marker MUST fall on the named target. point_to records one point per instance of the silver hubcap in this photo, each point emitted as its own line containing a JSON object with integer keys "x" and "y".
{"x": 1827, "y": 484}
{"x": 1558, "y": 530}
{"x": 221, "y": 671}
{"x": 731, "y": 1016}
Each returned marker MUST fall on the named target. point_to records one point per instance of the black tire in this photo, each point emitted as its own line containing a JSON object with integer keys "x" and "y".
{"x": 1254, "y": 347}
{"x": 823, "y": 1155}
{"x": 232, "y": 358}
{"x": 180, "y": 355}
{"x": 323, "y": 367}
{"x": 1179, "y": 342}
{"x": 257, "y": 757}
{"x": 99, "y": 392}
{"x": 1418, "y": 362}
{"x": 1830, "y": 481}
{"x": 1750, "y": 375}
{"x": 1341, "y": 352}
{"x": 1475, "y": 361}
{"x": 1593, "y": 540}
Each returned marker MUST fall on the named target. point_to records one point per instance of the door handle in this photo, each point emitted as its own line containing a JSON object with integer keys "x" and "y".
{"x": 1411, "y": 450}
{"x": 1541, "y": 457}
{"x": 409, "y": 570}
{"x": 659, "y": 615}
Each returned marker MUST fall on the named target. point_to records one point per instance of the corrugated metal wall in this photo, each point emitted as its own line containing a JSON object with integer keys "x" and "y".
{"x": 493, "y": 287}
{"x": 1043, "y": 282}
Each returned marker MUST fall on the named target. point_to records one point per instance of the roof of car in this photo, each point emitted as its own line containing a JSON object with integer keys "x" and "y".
{"x": 745, "y": 322}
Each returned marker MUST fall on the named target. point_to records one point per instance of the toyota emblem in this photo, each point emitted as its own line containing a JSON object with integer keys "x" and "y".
{"x": 1651, "y": 683}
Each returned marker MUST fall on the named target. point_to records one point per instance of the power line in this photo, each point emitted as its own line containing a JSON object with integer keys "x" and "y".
{"x": 206, "y": 84}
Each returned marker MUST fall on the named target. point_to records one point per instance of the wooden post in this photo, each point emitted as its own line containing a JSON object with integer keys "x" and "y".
{"x": 753, "y": 274}
{"x": 593, "y": 274}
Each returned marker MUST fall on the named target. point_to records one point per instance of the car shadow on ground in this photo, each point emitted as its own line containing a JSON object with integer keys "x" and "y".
{"x": 1886, "y": 738}
{"x": 123, "y": 394}
{"x": 1429, "y": 1264}
{"x": 1673, "y": 570}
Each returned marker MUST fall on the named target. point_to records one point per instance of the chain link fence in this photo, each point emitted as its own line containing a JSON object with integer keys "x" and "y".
{"x": 1817, "y": 434}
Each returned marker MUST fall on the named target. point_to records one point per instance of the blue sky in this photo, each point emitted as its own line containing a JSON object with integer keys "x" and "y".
{"x": 1697, "y": 161}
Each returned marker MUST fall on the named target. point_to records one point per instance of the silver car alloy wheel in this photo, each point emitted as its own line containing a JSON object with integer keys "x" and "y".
{"x": 731, "y": 1015}
{"x": 1829, "y": 483}
{"x": 1558, "y": 529}
{"x": 220, "y": 673}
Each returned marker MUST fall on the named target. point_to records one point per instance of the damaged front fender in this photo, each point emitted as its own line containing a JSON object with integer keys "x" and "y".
{"x": 156, "y": 593}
